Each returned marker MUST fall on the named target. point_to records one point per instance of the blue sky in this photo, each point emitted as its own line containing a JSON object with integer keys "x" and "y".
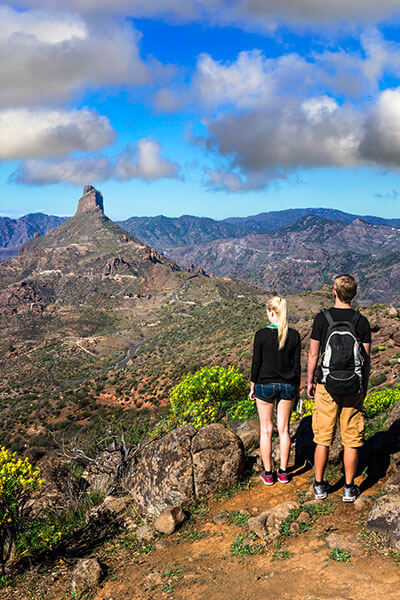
{"x": 208, "y": 108}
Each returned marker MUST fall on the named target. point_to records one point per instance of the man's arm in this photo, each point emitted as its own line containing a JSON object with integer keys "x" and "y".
{"x": 313, "y": 354}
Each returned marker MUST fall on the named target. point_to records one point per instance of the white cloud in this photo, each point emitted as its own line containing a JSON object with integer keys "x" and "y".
{"x": 253, "y": 14}
{"x": 46, "y": 57}
{"x": 48, "y": 28}
{"x": 76, "y": 171}
{"x": 277, "y": 139}
{"x": 40, "y": 133}
{"x": 230, "y": 181}
{"x": 242, "y": 82}
{"x": 144, "y": 162}
{"x": 380, "y": 143}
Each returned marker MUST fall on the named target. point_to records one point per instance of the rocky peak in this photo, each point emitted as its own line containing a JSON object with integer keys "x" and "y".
{"x": 91, "y": 200}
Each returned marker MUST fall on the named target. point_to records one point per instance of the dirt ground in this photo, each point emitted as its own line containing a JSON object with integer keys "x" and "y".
{"x": 197, "y": 563}
{"x": 205, "y": 569}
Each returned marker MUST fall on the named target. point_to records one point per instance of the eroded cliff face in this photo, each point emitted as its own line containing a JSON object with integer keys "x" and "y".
{"x": 91, "y": 200}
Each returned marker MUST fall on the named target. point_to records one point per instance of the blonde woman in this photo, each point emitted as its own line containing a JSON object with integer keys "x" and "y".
{"x": 275, "y": 380}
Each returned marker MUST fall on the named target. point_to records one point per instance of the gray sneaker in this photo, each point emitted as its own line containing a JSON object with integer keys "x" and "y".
{"x": 351, "y": 493}
{"x": 321, "y": 489}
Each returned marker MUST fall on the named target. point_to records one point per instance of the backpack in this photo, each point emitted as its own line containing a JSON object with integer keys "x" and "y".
{"x": 341, "y": 360}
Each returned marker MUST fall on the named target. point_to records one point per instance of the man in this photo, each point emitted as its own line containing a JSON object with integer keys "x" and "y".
{"x": 331, "y": 407}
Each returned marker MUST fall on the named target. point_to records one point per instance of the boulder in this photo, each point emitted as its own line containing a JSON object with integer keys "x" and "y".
{"x": 164, "y": 475}
{"x": 249, "y": 433}
{"x": 86, "y": 575}
{"x": 218, "y": 460}
{"x": 393, "y": 415}
{"x": 384, "y": 517}
{"x": 395, "y": 462}
{"x": 183, "y": 466}
{"x": 169, "y": 520}
{"x": 346, "y": 542}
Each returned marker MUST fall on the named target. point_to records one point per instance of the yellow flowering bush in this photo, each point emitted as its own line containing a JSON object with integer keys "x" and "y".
{"x": 209, "y": 394}
{"x": 18, "y": 479}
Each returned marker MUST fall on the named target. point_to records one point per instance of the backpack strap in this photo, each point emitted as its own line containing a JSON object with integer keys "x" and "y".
{"x": 328, "y": 317}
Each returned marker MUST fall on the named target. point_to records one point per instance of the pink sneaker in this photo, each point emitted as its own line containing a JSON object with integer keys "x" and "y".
{"x": 267, "y": 479}
{"x": 282, "y": 477}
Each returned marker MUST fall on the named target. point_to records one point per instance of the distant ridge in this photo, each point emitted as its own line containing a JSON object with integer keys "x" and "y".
{"x": 166, "y": 233}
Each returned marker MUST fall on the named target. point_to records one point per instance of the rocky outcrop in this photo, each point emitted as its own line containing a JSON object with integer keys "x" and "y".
{"x": 384, "y": 517}
{"x": 113, "y": 265}
{"x": 183, "y": 466}
{"x": 91, "y": 200}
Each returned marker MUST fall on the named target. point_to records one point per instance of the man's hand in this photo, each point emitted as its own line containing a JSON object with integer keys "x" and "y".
{"x": 311, "y": 390}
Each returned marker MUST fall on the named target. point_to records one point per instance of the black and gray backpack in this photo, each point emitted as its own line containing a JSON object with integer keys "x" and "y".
{"x": 341, "y": 361}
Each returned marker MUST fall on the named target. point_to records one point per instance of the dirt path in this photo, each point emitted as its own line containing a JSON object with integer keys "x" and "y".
{"x": 197, "y": 563}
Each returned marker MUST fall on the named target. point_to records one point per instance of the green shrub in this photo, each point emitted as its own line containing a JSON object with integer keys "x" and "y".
{"x": 209, "y": 394}
{"x": 377, "y": 402}
{"x": 17, "y": 481}
{"x": 375, "y": 380}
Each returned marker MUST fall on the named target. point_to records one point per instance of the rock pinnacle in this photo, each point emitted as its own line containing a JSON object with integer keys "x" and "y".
{"x": 91, "y": 200}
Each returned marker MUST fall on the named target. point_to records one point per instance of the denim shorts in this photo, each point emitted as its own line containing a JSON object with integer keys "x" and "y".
{"x": 269, "y": 392}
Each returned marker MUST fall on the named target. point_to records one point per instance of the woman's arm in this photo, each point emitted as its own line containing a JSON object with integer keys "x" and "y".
{"x": 297, "y": 361}
{"x": 256, "y": 363}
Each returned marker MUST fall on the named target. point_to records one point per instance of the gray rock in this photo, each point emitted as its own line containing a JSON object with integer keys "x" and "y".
{"x": 249, "y": 433}
{"x": 393, "y": 483}
{"x": 145, "y": 534}
{"x": 185, "y": 465}
{"x": 303, "y": 517}
{"x": 102, "y": 478}
{"x": 384, "y": 517}
{"x": 164, "y": 475}
{"x": 221, "y": 518}
{"x": 86, "y": 575}
{"x": 267, "y": 524}
{"x": 393, "y": 415}
{"x": 363, "y": 502}
{"x": 395, "y": 462}
{"x": 346, "y": 542}
{"x": 169, "y": 520}
{"x": 218, "y": 460}
{"x": 114, "y": 509}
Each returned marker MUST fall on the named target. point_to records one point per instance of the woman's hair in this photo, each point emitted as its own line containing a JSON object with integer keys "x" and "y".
{"x": 278, "y": 305}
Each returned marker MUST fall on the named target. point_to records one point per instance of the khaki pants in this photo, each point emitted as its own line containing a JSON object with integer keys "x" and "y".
{"x": 329, "y": 409}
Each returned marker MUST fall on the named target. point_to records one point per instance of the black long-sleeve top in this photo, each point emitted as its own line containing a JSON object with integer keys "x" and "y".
{"x": 271, "y": 365}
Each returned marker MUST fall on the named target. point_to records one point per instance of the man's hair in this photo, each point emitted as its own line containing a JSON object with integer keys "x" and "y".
{"x": 345, "y": 287}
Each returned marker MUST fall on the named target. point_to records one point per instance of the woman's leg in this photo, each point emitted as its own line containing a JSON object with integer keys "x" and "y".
{"x": 284, "y": 411}
{"x": 266, "y": 415}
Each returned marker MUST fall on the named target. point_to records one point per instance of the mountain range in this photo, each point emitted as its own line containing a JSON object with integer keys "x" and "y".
{"x": 282, "y": 251}
{"x": 164, "y": 233}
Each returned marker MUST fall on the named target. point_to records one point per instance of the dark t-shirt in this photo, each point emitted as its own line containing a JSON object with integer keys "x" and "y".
{"x": 271, "y": 365}
{"x": 320, "y": 326}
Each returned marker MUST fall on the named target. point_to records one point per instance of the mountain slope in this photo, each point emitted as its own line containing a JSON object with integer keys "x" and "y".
{"x": 306, "y": 255}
